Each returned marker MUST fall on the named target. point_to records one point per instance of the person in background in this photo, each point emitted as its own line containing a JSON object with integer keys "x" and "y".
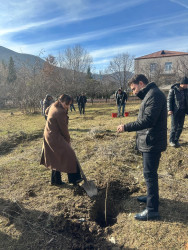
{"x": 72, "y": 105}
{"x": 57, "y": 153}
{"x": 151, "y": 127}
{"x": 177, "y": 103}
{"x": 78, "y": 101}
{"x": 121, "y": 99}
{"x": 41, "y": 105}
{"x": 82, "y": 101}
{"x": 48, "y": 100}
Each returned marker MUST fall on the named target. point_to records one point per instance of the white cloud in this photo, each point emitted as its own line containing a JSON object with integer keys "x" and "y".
{"x": 183, "y": 3}
{"x": 16, "y": 16}
{"x": 23, "y": 27}
{"x": 94, "y": 35}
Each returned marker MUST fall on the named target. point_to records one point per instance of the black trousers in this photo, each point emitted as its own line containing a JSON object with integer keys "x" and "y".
{"x": 82, "y": 108}
{"x": 151, "y": 164}
{"x": 72, "y": 177}
{"x": 177, "y": 121}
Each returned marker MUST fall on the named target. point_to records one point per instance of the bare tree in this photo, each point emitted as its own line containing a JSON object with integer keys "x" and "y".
{"x": 4, "y": 73}
{"x": 153, "y": 71}
{"x": 182, "y": 68}
{"x": 76, "y": 60}
{"x": 107, "y": 87}
{"x": 3, "y": 85}
{"x": 120, "y": 69}
{"x": 35, "y": 80}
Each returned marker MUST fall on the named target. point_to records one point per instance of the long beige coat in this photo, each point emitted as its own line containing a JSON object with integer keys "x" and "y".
{"x": 57, "y": 153}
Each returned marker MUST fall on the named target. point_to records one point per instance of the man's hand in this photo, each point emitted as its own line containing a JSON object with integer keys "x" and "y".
{"x": 120, "y": 128}
{"x": 170, "y": 112}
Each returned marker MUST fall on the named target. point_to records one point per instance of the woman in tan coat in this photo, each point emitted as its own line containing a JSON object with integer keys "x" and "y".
{"x": 58, "y": 154}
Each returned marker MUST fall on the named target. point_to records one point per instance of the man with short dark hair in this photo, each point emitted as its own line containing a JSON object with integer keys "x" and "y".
{"x": 177, "y": 107}
{"x": 151, "y": 127}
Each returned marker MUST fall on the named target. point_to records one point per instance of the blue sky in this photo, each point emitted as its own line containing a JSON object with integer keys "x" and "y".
{"x": 104, "y": 28}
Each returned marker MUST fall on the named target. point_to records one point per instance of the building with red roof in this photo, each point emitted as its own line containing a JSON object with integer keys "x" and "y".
{"x": 164, "y": 66}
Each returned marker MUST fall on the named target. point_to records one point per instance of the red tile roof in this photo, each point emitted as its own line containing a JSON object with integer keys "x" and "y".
{"x": 162, "y": 53}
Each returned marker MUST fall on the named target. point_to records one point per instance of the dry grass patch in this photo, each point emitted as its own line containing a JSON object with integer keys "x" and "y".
{"x": 35, "y": 215}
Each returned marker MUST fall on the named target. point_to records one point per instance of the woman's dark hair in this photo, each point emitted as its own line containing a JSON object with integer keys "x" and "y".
{"x": 137, "y": 78}
{"x": 64, "y": 98}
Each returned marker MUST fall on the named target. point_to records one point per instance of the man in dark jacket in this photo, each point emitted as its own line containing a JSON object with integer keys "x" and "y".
{"x": 177, "y": 107}
{"x": 151, "y": 127}
{"x": 82, "y": 103}
{"x": 121, "y": 99}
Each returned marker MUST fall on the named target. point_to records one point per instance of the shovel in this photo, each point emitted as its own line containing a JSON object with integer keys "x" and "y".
{"x": 88, "y": 186}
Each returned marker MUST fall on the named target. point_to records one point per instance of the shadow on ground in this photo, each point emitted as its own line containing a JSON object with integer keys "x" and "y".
{"x": 170, "y": 210}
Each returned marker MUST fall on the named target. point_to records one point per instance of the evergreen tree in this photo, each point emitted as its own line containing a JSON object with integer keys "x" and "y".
{"x": 89, "y": 74}
{"x": 11, "y": 71}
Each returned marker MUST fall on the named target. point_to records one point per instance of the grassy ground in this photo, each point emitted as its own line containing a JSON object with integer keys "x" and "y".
{"x": 35, "y": 215}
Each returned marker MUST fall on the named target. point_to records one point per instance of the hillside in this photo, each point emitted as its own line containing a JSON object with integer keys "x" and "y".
{"x": 19, "y": 58}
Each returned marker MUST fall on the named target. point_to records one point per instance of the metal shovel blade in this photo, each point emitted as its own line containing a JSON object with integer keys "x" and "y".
{"x": 90, "y": 188}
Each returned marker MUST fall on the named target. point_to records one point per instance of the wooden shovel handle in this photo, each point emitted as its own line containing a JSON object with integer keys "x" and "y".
{"x": 81, "y": 171}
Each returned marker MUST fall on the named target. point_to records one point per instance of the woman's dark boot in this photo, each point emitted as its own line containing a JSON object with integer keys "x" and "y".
{"x": 75, "y": 178}
{"x": 56, "y": 178}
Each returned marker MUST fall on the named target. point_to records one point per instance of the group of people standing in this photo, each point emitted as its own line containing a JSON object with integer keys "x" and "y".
{"x": 81, "y": 101}
{"x": 151, "y": 140}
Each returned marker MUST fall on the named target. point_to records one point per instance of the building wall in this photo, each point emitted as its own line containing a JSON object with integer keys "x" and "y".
{"x": 143, "y": 65}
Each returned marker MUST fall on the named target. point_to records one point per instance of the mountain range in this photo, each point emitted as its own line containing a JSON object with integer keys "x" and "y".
{"x": 19, "y": 58}
{"x": 29, "y": 61}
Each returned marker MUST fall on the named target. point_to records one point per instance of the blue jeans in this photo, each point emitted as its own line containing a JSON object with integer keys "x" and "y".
{"x": 119, "y": 109}
{"x": 151, "y": 164}
{"x": 72, "y": 107}
{"x": 177, "y": 121}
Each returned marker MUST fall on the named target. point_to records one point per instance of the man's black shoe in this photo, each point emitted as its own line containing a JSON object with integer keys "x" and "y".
{"x": 142, "y": 199}
{"x": 177, "y": 144}
{"x": 147, "y": 215}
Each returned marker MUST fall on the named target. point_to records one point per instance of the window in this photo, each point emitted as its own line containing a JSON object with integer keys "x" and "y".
{"x": 153, "y": 67}
{"x": 168, "y": 66}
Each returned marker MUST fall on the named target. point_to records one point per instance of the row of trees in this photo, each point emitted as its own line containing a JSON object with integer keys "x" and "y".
{"x": 69, "y": 72}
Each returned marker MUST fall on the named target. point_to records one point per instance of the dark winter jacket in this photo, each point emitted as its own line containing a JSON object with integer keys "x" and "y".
{"x": 151, "y": 124}
{"x": 174, "y": 99}
{"x": 121, "y": 98}
{"x": 82, "y": 100}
